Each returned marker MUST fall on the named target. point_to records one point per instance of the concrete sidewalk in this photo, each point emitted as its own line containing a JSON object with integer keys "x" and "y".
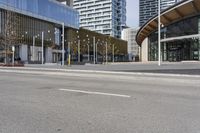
{"x": 166, "y": 67}
{"x": 178, "y": 69}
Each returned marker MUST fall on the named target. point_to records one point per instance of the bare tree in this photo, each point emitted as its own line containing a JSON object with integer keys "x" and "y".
{"x": 10, "y": 35}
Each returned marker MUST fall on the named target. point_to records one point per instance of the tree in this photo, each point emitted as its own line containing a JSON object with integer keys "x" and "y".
{"x": 10, "y": 35}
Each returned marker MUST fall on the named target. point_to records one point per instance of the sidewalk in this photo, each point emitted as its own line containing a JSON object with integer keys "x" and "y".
{"x": 188, "y": 68}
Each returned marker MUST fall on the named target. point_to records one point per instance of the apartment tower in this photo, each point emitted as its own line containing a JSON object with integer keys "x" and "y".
{"x": 104, "y": 16}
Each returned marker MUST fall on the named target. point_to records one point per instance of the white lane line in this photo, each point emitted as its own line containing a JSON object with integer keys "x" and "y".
{"x": 96, "y": 93}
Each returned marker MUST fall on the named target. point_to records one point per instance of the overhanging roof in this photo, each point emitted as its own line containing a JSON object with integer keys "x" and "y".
{"x": 175, "y": 13}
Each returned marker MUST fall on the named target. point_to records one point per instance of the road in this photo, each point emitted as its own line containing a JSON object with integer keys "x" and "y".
{"x": 73, "y": 102}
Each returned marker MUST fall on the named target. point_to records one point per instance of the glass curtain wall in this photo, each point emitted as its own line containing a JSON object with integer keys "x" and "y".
{"x": 17, "y": 29}
{"x": 49, "y": 10}
{"x": 178, "y": 50}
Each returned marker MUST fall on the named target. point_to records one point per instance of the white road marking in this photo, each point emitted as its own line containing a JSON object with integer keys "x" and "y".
{"x": 96, "y": 93}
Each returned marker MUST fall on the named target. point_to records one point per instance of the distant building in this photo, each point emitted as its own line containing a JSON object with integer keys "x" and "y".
{"x": 103, "y": 16}
{"x": 129, "y": 35}
{"x": 149, "y": 8}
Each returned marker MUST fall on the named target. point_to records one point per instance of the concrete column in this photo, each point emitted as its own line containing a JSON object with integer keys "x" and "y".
{"x": 48, "y": 55}
{"x": 144, "y": 50}
{"x": 24, "y": 53}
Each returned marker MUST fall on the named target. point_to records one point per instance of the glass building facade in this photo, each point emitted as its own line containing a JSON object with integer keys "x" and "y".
{"x": 22, "y": 23}
{"x": 177, "y": 50}
{"x": 49, "y": 10}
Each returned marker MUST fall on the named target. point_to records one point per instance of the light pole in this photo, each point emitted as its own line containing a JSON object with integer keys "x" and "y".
{"x": 88, "y": 48}
{"x": 33, "y": 48}
{"x": 63, "y": 43}
{"x": 97, "y": 50}
{"x": 113, "y": 53}
{"x": 159, "y": 36}
{"x": 106, "y": 52}
{"x": 78, "y": 46}
{"x": 94, "y": 58}
{"x": 69, "y": 54}
{"x": 42, "y": 47}
{"x": 79, "y": 55}
{"x": 13, "y": 55}
{"x": 88, "y": 52}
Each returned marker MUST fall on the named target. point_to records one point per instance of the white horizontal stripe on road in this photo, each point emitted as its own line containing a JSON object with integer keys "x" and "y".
{"x": 96, "y": 93}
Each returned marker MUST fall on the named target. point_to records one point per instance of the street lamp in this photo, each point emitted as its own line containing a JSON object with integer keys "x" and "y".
{"x": 97, "y": 50}
{"x": 106, "y": 52}
{"x": 94, "y": 45}
{"x": 42, "y": 47}
{"x": 159, "y": 36}
{"x": 88, "y": 48}
{"x": 113, "y": 52}
{"x": 79, "y": 55}
{"x": 69, "y": 54}
{"x": 13, "y": 55}
{"x": 78, "y": 46}
{"x": 63, "y": 43}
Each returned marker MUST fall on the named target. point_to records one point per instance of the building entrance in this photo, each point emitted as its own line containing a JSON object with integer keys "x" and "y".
{"x": 181, "y": 50}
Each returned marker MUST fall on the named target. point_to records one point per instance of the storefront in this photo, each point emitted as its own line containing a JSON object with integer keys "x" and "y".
{"x": 183, "y": 49}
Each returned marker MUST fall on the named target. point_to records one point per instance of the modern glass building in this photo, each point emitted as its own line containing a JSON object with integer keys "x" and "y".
{"x": 22, "y": 23}
{"x": 103, "y": 16}
{"x": 179, "y": 34}
{"x": 149, "y": 8}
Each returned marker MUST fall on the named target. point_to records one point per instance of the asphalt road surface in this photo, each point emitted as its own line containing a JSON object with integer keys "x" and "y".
{"x": 72, "y": 102}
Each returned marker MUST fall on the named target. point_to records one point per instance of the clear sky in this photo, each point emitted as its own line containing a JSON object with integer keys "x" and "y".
{"x": 132, "y": 13}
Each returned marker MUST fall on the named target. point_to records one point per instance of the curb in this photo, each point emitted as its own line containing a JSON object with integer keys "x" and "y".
{"x": 103, "y": 72}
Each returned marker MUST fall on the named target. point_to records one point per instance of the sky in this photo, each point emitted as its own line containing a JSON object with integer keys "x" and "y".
{"x": 132, "y": 13}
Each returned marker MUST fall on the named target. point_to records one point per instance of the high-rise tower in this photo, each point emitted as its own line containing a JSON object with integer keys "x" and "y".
{"x": 103, "y": 16}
